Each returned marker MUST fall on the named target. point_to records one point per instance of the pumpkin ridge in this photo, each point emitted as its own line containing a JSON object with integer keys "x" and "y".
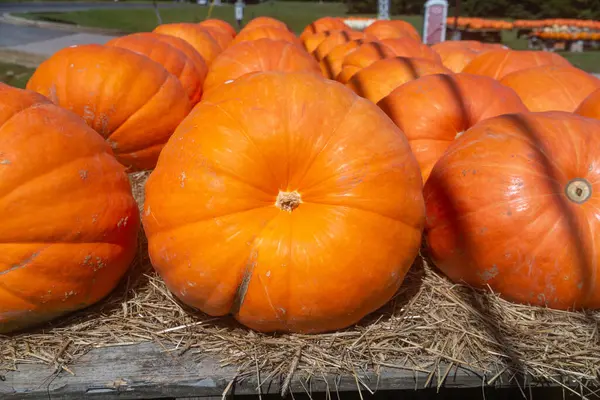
{"x": 48, "y": 172}
{"x": 148, "y": 101}
{"x": 331, "y": 136}
{"x": 244, "y": 131}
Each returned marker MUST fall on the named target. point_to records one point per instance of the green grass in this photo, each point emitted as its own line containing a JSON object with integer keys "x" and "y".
{"x": 296, "y": 14}
{"x": 15, "y": 75}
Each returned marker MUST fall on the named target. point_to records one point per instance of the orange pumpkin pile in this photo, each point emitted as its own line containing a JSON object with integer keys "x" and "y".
{"x": 294, "y": 176}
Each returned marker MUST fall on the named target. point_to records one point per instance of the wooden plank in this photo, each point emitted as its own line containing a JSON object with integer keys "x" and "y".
{"x": 145, "y": 371}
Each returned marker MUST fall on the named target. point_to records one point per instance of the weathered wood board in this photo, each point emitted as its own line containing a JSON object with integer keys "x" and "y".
{"x": 146, "y": 371}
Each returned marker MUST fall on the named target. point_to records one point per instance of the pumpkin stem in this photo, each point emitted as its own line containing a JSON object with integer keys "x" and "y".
{"x": 288, "y": 201}
{"x": 578, "y": 190}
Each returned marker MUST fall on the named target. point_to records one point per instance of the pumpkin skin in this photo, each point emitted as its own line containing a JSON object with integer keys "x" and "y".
{"x": 435, "y": 109}
{"x": 260, "y": 22}
{"x": 590, "y": 107}
{"x": 380, "y": 78}
{"x": 267, "y": 32}
{"x": 392, "y": 29}
{"x": 220, "y": 218}
{"x": 312, "y": 41}
{"x": 174, "y": 61}
{"x": 214, "y": 23}
{"x": 256, "y": 56}
{"x": 195, "y": 35}
{"x": 324, "y": 24}
{"x": 222, "y": 37}
{"x": 503, "y": 209}
{"x": 370, "y": 52}
{"x": 331, "y": 64}
{"x": 455, "y": 58}
{"x": 129, "y": 99}
{"x": 334, "y": 40}
{"x": 55, "y": 169}
{"x": 499, "y": 63}
{"x": 550, "y": 88}
{"x": 186, "y": 49}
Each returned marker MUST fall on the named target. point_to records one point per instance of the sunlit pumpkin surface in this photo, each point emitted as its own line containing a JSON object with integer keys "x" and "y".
{"x": 288, "y": 201}
{"x": 515, "y": 204}
{"x": 134, "y": 102}
{"x": 435, "y": 109}
{"x": 69, "y": 222}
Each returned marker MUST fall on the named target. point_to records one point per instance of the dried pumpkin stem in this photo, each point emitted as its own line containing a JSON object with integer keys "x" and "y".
{"x": 578, "y": 190}
{"x": 288, "y": 201}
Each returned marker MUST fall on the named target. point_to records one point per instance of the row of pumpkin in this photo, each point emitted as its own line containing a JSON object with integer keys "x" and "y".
{"x": 283, "y": 197}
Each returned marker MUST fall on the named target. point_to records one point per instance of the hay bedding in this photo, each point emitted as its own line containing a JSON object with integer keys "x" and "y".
{"x": 430, "y": 321}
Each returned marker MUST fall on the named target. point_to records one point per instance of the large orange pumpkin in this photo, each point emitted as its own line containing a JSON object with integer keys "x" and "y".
{"x": 590, "y": 106}
{"x": 299, "y": 211}
{"x": 435, "y": 109}
{"x": 262, "y": 21}
{"x": 335, "y": 39}
{"x": 331, "y": 64}
{"x": 69, "y": 222}
{"x": 129, "y": 99}
{"x": 380, "y": 78}
{"x": 266, "y": 32}
{"x": 194, "y": 34}
{"x": 551, "y": 88}
{"x": 324, "y": 24}
{"x": 256, "y": 56}
{"x": 513, "y": 205}
{"x": 370, "y": 52}
{"x": 392, "y": 29}
{"x": 499, "y": 63}
{"x": 174, "y": 61}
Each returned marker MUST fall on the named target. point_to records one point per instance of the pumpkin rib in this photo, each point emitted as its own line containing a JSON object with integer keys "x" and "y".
{"x": 322, "y": 149}
{"x": 46, "y": 172}
{"x": 149, "y": 142}
{"x": 245, "y": 133}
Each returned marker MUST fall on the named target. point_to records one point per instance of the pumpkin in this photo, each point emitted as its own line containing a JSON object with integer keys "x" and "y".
{"x": 267, "y": 32}
{"x": 186, "y": 49}
{"x": 434, "y": 110}
{"x": 370, "y": 52}
{"x": 392, "y": 29}
{"x": 473, "y": 45}
{"x": 212, "y": 23}
{"x": 590, "y": 107}
{"x": 174, "y": 61}
{"x": 288, "y": 201}
{"x": 551, "y": 88}
{"x": 129, "y": 99}
{"x": 335, "y": 39}
{"x": 69, "y": 222}
{"x": 260, "y": 22}
{"x": 194, "y": 34}
{"x": 258, "y": 55}
{"x": 324, "y": 24}
{"x": 499, "y": 63}
{"x": 380, "y": 78}
{"x": 331, "y": 64}
{"x": 512, "y": 205}
{"x": 455, "y": 58}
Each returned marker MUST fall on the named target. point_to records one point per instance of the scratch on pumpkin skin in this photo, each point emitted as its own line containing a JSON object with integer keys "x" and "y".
{"x": 242, "y": 289}
{"x": 83, "y": 174}
{"x": 22, "y": 264}
{"x": 488, "y": 274}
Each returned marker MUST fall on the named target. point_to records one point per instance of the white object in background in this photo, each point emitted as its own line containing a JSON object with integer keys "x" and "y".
{"x": 358, "y": 24}
{"x": 434, "y": 26}
{"x": 383, "y": 9}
